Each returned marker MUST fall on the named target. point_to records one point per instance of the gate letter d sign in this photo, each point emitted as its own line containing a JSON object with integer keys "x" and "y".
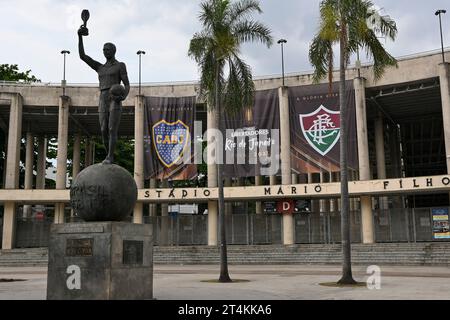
{"x": 285, "y": 206}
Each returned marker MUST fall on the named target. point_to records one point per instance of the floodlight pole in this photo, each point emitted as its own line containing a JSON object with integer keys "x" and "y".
{"x": 140, "y": 53}
{"x": 282, "y": 41}
{"x": 63, "y": 82}
{"x": 438, "y": 13}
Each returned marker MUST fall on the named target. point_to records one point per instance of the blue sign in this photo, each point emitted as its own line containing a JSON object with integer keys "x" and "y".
{"x": 441, "y": 228}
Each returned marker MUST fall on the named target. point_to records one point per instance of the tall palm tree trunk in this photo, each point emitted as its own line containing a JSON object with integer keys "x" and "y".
{"x": 347, "y": 277}
{"x": 224, "y": 275}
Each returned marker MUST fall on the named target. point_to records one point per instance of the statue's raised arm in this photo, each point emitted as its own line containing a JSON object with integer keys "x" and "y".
{"x": 83, "y": 56}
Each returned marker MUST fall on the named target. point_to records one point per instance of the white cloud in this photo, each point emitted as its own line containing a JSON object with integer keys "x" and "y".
{"x": 34, "y": 32}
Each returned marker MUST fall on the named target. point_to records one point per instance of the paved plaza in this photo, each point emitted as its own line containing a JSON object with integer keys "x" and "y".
{"x": 268, "y": 282}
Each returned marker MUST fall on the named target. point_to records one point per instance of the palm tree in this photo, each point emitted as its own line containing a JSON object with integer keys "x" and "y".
{"x": 354, "y": 24}
{"x": 216, "y": 49}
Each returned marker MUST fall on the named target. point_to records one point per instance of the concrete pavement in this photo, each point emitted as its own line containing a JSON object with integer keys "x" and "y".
{"x": 268, "y": 282}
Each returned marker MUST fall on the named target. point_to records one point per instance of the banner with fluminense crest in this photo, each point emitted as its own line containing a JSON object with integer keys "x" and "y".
{"x": 315, "y": 128}
{"x": 169, "y": 127}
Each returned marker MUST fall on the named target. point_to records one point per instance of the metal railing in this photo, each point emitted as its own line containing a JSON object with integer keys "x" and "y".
{"x": 392, "y": 225}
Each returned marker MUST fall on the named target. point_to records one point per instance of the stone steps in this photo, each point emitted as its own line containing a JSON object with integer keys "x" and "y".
{"x": 384, "y": 254}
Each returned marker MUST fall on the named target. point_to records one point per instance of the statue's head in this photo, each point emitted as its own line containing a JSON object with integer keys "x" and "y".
{"x": 109, "y": 50}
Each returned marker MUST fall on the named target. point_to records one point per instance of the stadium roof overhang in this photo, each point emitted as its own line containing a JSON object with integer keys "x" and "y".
{"x": 43, "y": 120}
{"x": 416, "y": 109}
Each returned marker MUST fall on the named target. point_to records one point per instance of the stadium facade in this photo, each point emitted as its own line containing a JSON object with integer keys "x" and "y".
{"x": 400, "y": 184}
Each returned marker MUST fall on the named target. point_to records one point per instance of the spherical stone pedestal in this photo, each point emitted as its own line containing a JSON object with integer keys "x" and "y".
{"x": 103, "y": 192}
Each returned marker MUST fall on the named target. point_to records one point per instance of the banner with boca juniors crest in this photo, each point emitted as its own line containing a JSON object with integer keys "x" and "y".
{"x": 169, "y": 126}
{"x": 315, "y": 128}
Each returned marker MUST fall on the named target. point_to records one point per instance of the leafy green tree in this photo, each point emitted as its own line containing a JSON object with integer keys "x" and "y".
{"x": 354, "y": 24}
{"x": 10, "y": 72}
{"x": 216, "y": 48}
{"x": 124, "y": 153}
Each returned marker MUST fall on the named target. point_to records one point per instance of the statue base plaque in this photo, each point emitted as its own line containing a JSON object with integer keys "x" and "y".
{"x": 100, "y": 261}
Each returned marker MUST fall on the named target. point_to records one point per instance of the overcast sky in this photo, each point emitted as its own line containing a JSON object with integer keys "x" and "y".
{"x": 33, "y": 32}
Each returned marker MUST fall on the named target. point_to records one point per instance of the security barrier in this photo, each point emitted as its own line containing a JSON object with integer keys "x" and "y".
{"x": 392, "y": 225}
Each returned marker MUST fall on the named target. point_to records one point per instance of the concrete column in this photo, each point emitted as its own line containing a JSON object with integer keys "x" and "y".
{"x": 379, "y": 148}
{"x": 258, "y": 205}
{"x": 29, "y": 156}
{"x": 363, "y": 158}
{"x": 273, "y": 180}
{"x": 9, "y": 225}
{"x": 285, "y": 150}
{"x": 14, "y": 141}
{"x": 5, "y": 149}
{"x": 61, "y": 165}
{"x": 138, "y": 213}
{"x": 41, "y": 163}
{"x": 444, "y": 79}
{"x": 361, "y": 128}
{"x": 212, "y": 222}
{"x": 12, "y": 169}
{"x": 285, "y": 136}
{"x": 212, "y": 183}
{"x": 76, "y": 163}
{"x": 381, "y": 157}
{"x": 367, "y": 220}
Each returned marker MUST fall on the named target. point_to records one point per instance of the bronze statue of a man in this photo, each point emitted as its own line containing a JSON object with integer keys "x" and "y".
{"x": 110, "y": 75}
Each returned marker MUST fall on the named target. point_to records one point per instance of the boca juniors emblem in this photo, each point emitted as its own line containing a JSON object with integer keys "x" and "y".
{"x": 170, "y": 139}
{"x": 321, "y": 129}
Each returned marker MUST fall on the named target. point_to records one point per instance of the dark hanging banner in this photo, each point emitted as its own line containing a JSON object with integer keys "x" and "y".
{"x": 250, "y": 144}
{"x": 315, "y": 128}
{"x": 168, "y": 144}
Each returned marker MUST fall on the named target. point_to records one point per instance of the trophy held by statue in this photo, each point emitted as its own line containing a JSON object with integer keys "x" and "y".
{"x": 84, "y": 31}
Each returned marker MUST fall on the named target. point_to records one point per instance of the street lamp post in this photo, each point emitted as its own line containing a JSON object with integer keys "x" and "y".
{"x": 63, "y": 82}
{"x": 139, "y": 53}
{"x": 438, "y": 13}
{"x": 282, "y": 41}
